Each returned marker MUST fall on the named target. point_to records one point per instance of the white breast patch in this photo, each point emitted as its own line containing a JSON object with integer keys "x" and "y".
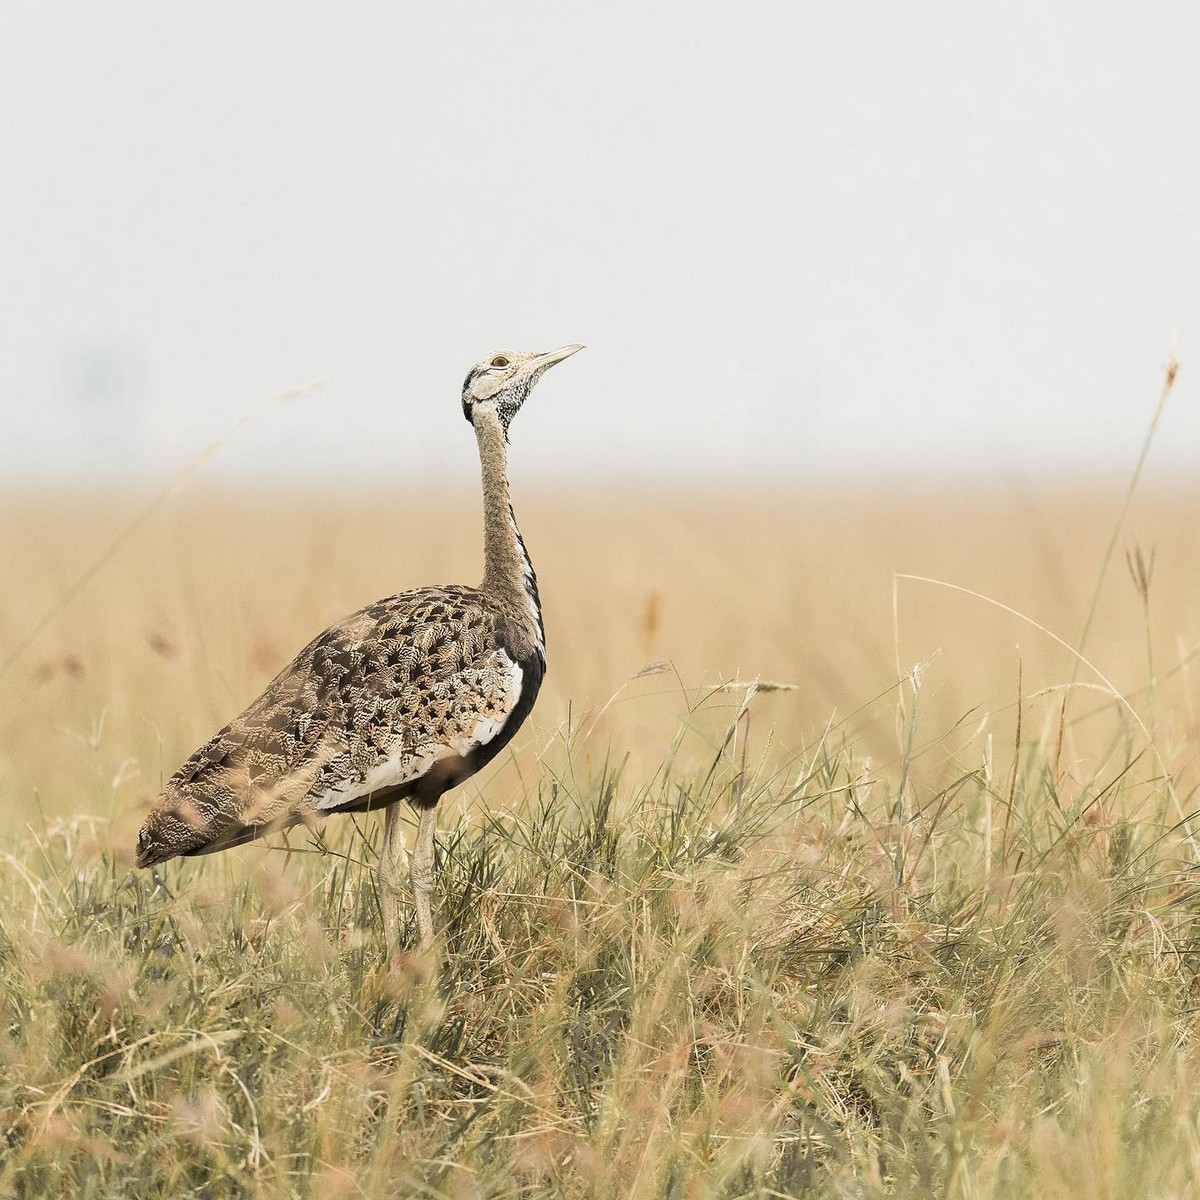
{"x": 487, "y": 727}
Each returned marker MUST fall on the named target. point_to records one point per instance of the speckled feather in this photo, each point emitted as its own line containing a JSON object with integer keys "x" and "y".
{"x": 402, "y": 686}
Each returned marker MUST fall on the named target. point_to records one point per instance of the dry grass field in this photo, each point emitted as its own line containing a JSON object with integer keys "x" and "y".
{"x": 922, "y": 925}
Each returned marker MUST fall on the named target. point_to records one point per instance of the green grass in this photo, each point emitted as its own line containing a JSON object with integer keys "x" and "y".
{"x": 814, "y": 978}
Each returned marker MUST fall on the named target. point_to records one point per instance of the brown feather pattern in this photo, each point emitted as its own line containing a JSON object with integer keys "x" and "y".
{"x": 401, "y": 685}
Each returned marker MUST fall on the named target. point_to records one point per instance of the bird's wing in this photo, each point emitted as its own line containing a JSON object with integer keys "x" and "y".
{"x": 410, "y": 686}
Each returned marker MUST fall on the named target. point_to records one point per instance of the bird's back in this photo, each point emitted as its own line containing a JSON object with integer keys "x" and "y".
{"x": 403, "y": 698}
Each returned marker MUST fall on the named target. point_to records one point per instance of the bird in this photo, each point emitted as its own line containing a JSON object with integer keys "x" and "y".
{"x": 402, "y": 700}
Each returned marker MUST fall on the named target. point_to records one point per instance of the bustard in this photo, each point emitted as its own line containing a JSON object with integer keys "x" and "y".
{"x": 402, "y": 700}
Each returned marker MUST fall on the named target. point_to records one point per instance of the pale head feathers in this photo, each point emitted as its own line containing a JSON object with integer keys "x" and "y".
{"x": 502, "y": 381}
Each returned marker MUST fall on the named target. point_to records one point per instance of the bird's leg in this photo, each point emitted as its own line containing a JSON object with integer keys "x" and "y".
{"x": 387, "y": 875}
{"x": 420, "y": 872}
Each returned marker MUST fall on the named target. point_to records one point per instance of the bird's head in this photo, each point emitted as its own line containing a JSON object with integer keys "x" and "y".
{"x": 500, "y": 383}
{"x": 166, "y": 832}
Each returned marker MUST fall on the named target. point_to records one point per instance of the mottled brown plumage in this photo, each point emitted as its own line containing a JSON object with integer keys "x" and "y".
{"x": 403, "y": 699}
{"x": 396, "y": 683}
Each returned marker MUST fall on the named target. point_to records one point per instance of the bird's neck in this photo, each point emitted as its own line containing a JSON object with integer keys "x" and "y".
{"x": 508, "y": 573}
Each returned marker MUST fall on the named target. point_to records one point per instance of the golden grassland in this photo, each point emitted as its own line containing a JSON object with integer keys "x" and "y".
{"x": 187, "y": 621}
{"x": 922, "y": 925}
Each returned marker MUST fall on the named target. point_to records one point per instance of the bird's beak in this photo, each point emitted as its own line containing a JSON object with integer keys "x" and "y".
{"x": 553, "y": 356}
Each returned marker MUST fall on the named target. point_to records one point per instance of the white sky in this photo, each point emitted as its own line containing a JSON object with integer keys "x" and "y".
{"x": 798, "y": 239}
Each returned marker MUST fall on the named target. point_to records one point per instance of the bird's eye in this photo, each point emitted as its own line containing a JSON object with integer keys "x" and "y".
{"x": 499, "y": 361}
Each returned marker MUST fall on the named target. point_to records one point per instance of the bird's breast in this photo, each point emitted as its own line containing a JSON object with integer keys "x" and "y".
{"x": 456, "y": 719}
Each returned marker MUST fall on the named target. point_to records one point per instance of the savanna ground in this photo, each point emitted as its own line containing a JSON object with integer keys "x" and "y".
{"x": 922, "y": 926}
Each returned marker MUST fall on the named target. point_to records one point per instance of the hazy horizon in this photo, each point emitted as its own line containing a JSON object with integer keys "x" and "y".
{"x": 798, "y": 243}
